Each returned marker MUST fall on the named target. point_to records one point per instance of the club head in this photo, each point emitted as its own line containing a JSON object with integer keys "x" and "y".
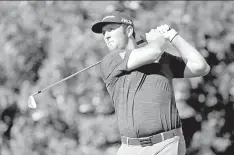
{"x": 31, "y": 102}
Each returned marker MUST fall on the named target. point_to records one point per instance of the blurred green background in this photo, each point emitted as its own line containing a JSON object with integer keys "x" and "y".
{"x": 44, "y": 42}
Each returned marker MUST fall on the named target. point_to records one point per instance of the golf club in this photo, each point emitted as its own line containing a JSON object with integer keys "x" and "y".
{"x": 31, "y": 101}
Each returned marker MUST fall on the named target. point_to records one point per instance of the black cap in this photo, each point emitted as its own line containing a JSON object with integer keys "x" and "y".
{"x": 114, "y": 17}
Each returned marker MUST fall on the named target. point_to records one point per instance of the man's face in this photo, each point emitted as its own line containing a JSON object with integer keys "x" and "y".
{"x": 115, "y": 36}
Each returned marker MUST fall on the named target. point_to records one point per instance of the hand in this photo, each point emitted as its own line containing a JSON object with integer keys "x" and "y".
{"x": 155, "y": 36}
{"x": 167, "y": 32}
{"x": 163, "y": 28}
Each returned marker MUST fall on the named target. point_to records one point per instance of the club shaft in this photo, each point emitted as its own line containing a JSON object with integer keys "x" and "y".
{"x": 67, "y": 78}
{"x": 38, "y": 92}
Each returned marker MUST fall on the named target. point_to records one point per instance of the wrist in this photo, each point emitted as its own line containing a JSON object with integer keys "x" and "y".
{"x": 172, "y": 34}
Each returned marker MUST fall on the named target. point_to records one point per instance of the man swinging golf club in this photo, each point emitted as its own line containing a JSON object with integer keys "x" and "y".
{"x": 139, "y": 82}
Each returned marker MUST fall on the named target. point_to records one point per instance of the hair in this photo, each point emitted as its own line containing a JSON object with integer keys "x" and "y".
{"x": 134, "y": 33}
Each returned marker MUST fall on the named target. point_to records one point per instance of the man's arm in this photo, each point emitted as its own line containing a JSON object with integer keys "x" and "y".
{"x": 148, "y": 53}
{"x": 196, "y": 65}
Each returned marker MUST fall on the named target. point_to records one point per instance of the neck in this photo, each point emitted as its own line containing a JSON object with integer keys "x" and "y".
{"x": 131, "y": 44}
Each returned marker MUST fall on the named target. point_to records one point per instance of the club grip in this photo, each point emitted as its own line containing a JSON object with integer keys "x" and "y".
{"x": 143, "y": 39}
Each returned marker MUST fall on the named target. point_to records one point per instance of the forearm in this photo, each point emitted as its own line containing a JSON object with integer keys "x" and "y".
{"x": 155, "y": 48}
{"x": 195, "y": 61}
{"x": 157, "y": 52}
{"x": 144, "y": 55}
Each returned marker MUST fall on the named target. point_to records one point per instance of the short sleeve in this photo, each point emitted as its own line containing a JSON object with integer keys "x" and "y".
{"x": 114, "y": 65}
{"x": 177, "y": 65}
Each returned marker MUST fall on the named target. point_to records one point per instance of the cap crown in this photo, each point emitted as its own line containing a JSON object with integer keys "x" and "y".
{"x": 118, "y": 17}
{"x": 114, "y": 17}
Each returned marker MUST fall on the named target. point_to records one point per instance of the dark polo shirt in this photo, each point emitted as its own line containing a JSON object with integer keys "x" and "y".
{"x": 143, "y": 98}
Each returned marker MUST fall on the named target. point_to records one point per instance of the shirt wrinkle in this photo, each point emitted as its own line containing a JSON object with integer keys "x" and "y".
{"x": 143, "y": 98}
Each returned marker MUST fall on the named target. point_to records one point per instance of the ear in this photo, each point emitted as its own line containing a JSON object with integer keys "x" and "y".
{"x": 129, "y": 30}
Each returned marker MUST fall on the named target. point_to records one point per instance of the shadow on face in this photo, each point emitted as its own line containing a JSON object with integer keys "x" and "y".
{"x": 115, "y": 36}
{"x": 110, "y": 27}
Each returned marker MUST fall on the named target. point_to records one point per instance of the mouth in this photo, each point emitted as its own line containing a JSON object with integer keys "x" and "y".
{"x": 110, "y": 42}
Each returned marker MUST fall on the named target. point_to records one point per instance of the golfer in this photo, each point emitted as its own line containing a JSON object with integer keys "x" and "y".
{"x": 139, "y": 82}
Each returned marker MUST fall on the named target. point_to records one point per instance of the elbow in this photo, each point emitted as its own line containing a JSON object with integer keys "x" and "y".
{"x": 207, "y": 70}
{"x": 156, "y": 53}
{"x": 202, "y": 69}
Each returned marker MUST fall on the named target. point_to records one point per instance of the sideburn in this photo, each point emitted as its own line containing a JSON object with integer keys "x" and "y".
{"x": 125, "y": 30}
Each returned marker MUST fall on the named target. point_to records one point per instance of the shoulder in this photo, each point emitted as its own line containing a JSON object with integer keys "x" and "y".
{"x": 169, "y": 57}
{"x": 112, "y": 60}
{"x": 114, "y": 56}
{"x": 108, "y": 58}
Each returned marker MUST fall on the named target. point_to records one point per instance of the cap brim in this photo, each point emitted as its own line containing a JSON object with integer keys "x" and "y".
{"x": 97, "y": 28}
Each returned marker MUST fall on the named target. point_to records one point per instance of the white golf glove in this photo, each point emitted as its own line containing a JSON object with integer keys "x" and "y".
{"x": 167, "y": 32}
{"x": 153, "y": 35}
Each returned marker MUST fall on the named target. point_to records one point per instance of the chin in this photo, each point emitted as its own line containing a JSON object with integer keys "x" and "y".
{"x": 112, "y": 48}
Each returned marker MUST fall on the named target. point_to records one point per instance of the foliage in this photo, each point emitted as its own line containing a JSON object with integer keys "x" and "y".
{"x": 45, "y": 41}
